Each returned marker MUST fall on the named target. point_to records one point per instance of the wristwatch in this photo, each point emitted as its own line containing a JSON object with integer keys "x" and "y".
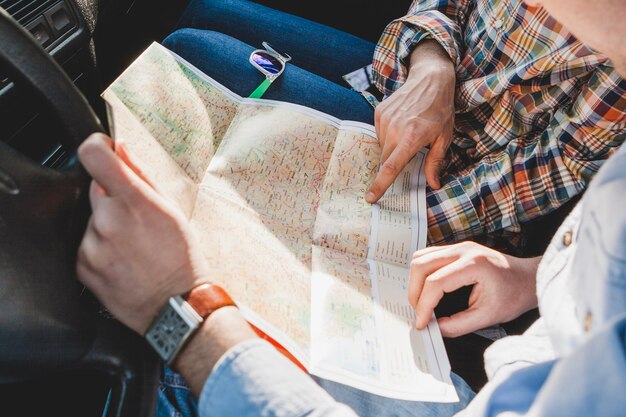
{"x": 182, "y": 316}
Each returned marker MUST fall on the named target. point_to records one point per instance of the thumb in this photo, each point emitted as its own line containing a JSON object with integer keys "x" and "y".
{"x": 435, "y": 161}
{"x": 464, "y": 322}
{"x": 110, "y": 172}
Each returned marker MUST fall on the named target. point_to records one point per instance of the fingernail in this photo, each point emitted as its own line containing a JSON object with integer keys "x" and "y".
{"x": 417, "y": 326}
{"x": 370, "y": 197}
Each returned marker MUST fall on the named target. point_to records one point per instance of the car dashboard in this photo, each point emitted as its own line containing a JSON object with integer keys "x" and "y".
{"x": 59, "y": 28}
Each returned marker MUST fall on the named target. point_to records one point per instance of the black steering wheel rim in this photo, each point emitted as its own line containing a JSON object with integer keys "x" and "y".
{"x": 47, "y": 323}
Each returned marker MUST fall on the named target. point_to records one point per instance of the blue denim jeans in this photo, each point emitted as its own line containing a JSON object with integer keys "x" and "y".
{"x": 174, "y": 397}
{"x": 217, "y": 36}
{"x": 314, "y": 47}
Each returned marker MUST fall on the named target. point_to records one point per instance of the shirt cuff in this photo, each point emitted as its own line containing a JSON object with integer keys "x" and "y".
{"x": 432, "y": 25}
{"x": 452, "y": 213}
{"x": 254, "y": 379}
{"x": 399, "y": 39}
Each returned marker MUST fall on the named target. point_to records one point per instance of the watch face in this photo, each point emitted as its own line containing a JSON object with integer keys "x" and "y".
{"x": 168, "y": 332}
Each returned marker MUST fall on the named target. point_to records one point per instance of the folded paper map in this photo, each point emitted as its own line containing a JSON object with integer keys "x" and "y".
{"x": 275, "y": 194}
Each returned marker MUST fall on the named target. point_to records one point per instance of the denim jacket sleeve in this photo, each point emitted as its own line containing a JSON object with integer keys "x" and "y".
{"x": 254, "y": 379}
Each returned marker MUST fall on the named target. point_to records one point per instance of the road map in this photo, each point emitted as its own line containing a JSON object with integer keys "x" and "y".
{"x": 275, "y": 192}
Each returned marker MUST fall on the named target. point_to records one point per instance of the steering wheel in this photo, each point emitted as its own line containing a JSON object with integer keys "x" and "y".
{"x": 48, "y": 322}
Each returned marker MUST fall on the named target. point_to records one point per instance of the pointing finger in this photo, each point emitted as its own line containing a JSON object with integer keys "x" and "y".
{"x": 389, "y": 171}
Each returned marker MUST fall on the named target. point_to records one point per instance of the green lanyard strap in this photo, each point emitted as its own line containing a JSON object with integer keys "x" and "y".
{"x": 261, "y": 89}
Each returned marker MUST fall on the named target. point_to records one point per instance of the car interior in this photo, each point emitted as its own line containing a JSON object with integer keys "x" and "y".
{"x": 60, "y": 353}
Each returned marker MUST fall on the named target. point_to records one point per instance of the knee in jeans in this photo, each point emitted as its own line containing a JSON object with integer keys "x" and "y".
{"x": 189, "y": 38}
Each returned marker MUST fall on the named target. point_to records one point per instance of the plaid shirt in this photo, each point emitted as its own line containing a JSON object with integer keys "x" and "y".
{"x": 537, "y": 112}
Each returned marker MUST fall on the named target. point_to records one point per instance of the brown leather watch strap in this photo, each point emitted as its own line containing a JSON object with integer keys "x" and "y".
{"x": 206, "y": 298}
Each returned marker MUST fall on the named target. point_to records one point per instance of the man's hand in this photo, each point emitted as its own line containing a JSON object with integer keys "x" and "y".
{"x": 419, "y": 113}
{"x": 504, "y": 286}
{"x": 138, "y": 249}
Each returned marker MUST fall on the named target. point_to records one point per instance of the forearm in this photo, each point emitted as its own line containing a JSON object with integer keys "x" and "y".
{"x": 429, "y": 54}
{"x": 432, "y": 69}
{"x": 222, "y": 330}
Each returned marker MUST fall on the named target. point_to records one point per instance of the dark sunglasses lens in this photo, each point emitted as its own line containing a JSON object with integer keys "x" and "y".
{"x": 267, "y": 62}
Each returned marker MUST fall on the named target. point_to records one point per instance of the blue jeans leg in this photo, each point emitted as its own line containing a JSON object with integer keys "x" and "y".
{"x": 225, "y": 59}
{"x": 319, "y": 49}
{"x": 174, "y": 397}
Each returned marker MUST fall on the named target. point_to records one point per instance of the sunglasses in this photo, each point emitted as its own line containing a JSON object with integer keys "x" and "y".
{"x": 271, "y": 63}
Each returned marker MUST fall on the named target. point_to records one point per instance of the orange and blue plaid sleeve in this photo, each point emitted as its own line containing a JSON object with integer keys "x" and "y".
{"x": 533, "y": 175}
{"x": 426, "y": 19}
